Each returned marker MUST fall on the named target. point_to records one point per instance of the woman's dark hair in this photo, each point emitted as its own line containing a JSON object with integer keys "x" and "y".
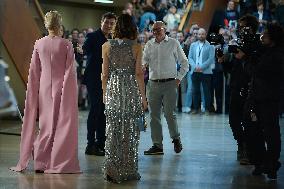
{"x": 63, "y": 31}
{"x": 125, "y": 27}
{"x": 275, "y": 33}
{"x": 259, "y": 2}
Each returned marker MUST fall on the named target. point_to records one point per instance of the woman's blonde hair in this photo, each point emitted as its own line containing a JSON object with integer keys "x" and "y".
{"x": 52, "y": 20}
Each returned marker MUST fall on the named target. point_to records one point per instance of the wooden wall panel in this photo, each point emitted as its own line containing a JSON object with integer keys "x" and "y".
{"x": 18, "y": 31}
{"x": 204, "y": 17}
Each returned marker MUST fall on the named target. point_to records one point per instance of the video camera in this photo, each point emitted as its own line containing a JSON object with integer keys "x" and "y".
{"x": 218, "y": 41}
{"x": 246, "y": 42}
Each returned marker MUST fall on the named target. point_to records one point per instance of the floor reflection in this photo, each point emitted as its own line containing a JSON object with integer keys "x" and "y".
{"x": 48, "y": 181}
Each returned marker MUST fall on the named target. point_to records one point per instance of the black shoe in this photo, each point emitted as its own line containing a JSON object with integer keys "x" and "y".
{"x": 244, "y": 159}
{"x": 194, "y": 112}
{"x": 272, "y": 172}
{"x": 177, "y": 145}
{"x": 258, "y": 170}
{"x": 154, "y": 150}
{"x": 91, "y": 150}
{"x": 109, "y": 179}
{"x": 272, "y": 175}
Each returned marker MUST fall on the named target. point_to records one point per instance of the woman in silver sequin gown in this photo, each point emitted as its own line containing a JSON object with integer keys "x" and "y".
{"x": 124, "y": 98}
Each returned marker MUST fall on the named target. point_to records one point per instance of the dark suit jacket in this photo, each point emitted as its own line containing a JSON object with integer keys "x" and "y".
{"x": 93, "y": 49}
{"x": 266, "y": 15}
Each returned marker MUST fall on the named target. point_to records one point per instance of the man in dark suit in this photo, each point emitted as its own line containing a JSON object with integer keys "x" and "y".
{"x": 262, "y": 15}
{"x": 92, "y": 79}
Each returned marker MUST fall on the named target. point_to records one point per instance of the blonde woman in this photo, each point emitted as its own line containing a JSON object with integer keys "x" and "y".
{"x": 52, "y": 95}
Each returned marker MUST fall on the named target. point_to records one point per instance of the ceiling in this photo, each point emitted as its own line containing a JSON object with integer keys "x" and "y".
{"x": 116, "y": 3}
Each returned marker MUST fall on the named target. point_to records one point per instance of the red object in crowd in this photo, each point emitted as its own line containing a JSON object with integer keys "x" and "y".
{"x": 226, "y": 22}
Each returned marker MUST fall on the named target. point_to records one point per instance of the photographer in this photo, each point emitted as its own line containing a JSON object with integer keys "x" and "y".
{"x": 217, "y": 40}
{"x": 240, "y": 69}
{"x": 264, "y": 98}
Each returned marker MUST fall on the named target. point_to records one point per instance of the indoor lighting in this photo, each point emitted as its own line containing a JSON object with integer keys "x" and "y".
{"x": 103, "y": 1}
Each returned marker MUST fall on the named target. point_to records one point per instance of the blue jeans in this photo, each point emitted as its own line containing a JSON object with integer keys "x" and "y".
{"x": 188, "y": 98}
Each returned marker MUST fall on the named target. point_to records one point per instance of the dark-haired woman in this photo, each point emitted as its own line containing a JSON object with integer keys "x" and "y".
{"x": 267, "y": 79}
{"x": 124, "y": 98}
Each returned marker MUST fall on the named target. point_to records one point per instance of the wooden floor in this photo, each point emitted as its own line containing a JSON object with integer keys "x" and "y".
{"x": 207, "y": 161}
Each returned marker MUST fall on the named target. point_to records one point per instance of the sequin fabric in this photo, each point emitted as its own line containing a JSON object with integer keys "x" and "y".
{"x": 123, "y": 107}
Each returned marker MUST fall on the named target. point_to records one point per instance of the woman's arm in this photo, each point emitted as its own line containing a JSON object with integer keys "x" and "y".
{"x": 105, "y": 67}
{"x": 140, "y": 75}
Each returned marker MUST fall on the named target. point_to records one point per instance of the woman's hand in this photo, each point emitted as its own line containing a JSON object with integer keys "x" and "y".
{"x": 145, "y": 105}
{"x": 104, "y": 98}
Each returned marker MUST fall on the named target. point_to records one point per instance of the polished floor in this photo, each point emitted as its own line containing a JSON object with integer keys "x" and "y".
{"x": 208, "y": 161}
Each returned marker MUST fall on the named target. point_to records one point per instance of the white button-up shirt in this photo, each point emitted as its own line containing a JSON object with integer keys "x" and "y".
{"x": 162, "y": 59}
{"x": 199, "y": 51}
{"x": 260, "y": 15}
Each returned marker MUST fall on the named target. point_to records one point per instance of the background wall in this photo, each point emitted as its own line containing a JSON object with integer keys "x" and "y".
{"x": 79, "y": 17}
{"x": 75, "y": 15}
{"x": 16, "y": 83}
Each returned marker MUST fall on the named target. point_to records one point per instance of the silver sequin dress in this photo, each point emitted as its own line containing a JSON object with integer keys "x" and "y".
{"x": 123, "y": 107}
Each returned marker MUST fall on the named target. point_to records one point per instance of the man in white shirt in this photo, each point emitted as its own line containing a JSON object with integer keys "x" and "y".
{"x": 161, "y": 55}
{"x": 201, "y": 58}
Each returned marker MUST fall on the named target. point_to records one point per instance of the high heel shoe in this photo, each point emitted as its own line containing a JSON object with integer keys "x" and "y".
{"x": 39, "y": 171}
{"x": 108, "y": 178}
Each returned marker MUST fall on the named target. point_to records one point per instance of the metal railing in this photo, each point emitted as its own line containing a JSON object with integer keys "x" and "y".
{"x": 185, "y": 16}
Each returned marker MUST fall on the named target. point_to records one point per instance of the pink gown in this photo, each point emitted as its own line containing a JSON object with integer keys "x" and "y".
{"x": 51, "y": 95}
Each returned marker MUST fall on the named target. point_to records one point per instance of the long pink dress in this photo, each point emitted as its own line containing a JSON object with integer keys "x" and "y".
{"x": 51, "y": 94}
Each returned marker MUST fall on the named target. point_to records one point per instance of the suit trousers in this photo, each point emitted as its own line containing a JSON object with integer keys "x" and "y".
{"x": 96, "y": 123}
{"x": 217, "y": 89}
{"x": 162, "y": 95}
{"x": 236, "y": 109}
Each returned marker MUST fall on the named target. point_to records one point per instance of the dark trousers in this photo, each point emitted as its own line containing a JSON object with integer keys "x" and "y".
{"x": 205, "y": 80}
{"x": 266, "y": 138}
{"x": 217, "y": 89}
{"x": 236, "y": 109}
{"x": 227, "y": 94}
{"x": 96, "y": 123}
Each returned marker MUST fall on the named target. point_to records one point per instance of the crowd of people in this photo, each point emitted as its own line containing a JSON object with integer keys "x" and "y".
{"x": 218, "y": 91}
{"x": 113, "y": 68}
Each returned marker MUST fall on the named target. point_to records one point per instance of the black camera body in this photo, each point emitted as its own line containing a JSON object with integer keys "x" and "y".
{"x": 247, "y": 42}
{"x": 217, "y": 40}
